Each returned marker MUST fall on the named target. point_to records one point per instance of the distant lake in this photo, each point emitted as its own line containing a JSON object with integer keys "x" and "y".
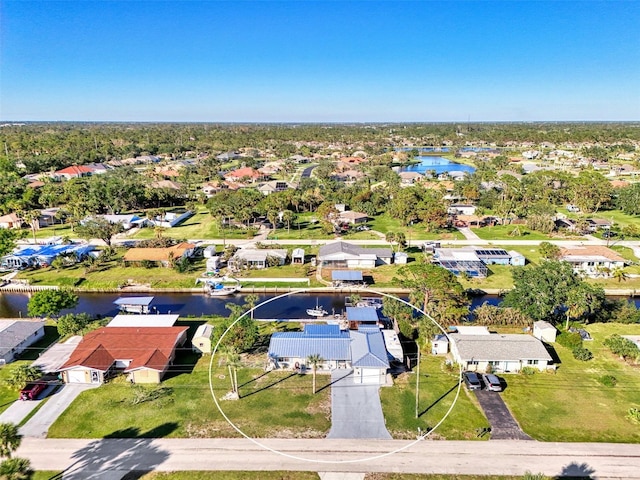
{"x": 437, "y": 164}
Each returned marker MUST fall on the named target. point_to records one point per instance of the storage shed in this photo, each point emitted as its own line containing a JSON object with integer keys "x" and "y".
{"x": 544, "y": 331}
{"x": 440, "y": 345}
{"x": 201, "y": 342}
{"x": 297, "y": 256}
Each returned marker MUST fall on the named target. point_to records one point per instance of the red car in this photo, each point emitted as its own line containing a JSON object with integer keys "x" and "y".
{"x": 32, "y": 390}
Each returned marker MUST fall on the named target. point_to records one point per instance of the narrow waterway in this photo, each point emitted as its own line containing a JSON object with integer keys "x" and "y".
{"x": 14, "y": 305}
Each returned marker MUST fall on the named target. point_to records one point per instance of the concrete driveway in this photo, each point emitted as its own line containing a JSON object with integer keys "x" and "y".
{"x": 20, "y": 409}
{"x": 39, "y": 424}
{"x": 355, "y": 409}
{"x": 503, "y": 425}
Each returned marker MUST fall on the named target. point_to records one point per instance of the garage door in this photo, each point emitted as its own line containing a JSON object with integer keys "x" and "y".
{"x": 370, "y": 375}
{"x": 76, "y": 376}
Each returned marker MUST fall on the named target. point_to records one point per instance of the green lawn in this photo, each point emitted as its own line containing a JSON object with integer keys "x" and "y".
{"x": 384, "y": 224}
{"x": 113, "y": 274}
{"x": 437, "y": 391}
{"x": 509, "y": 232}
{"x": 275, "y": 404}
{"x": 571, "y": 405}
{"x": 222, "y": 475}
{"x": 199, "y": 226}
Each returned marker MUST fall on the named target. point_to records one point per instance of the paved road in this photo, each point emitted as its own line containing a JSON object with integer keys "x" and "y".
{"x": 503, "y": 425}
{"x": 356, "y": 411}
{"x": 499, "y": 457}
{"x": 39, "y": 424}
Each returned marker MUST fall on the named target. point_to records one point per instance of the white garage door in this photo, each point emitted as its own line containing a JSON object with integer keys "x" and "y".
{"x": 76, "y": 376}
{"x": 370, "y": 375}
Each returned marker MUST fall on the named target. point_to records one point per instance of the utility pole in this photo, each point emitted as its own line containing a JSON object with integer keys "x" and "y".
{"x": 418, "y": 381}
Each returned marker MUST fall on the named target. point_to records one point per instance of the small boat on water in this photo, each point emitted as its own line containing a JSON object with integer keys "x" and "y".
{"x": 318, "y": 311}
{"x": 217, "y": 288}
{"x": 221, "y": 290}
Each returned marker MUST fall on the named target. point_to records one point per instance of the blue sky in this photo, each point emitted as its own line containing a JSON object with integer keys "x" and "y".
{"x": 313, "y": 61}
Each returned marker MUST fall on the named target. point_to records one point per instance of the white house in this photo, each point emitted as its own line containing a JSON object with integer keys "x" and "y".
{"x": 346, "y": 255}
{"x": 462, "y": 209}
{"x": 16, "y": 336}
{"x": 592, "y": 260}
{"x": 502, "y": 353}
{"x": 257, "y": 258}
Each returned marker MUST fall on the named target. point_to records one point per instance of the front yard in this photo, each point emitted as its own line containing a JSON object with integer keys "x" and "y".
{"x": 572, "y": 405}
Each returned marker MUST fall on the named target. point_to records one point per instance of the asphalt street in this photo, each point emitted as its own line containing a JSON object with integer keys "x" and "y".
{"x": 91, "y": 458}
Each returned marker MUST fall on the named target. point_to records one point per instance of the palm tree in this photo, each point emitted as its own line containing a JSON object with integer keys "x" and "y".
{"x": 21, "y": 375}
{"x": 233, "y": 362}
{"x": 390, "y": 237}
{"x": 16, "y": 469}
{"x": 314, "y": 360}
{"x": 619, "y": 274}
{"x": 9, "y": 439}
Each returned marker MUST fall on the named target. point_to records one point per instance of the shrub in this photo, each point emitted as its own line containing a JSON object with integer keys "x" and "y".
{"x": 608, "y": 380}
{"x": 621, "y": 346}
{"x": 583, "y": 354}
{"x": 633, "y": 414}
{"x": 529, "y": 370}
{"x": 569, "y": 340}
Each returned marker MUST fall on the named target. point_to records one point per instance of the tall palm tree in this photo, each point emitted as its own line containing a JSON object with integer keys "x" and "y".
{"x": 314, "y": 360}
{"x": 10, "y": 439}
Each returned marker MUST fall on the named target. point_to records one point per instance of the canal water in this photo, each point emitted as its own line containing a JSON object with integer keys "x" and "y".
{"x": 14, "y": 305}
{"x": 437, "y": 164}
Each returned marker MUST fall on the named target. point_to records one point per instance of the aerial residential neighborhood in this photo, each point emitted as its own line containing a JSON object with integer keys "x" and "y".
{"x": 319, "y": 240}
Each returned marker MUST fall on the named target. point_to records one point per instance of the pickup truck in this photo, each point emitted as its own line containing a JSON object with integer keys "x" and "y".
{"x": 32, "y": 390}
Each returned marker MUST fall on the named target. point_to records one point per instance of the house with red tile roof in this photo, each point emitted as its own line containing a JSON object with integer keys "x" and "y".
{"x": 243, "y": 174}
{"x": 592, "y": 260}
{"x": 144, "y": 354}
{"x": 74, "y": 171}
{"x": 10, "y": 220}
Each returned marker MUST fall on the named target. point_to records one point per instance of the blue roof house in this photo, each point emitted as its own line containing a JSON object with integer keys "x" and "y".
{"x": 363, "y": 350}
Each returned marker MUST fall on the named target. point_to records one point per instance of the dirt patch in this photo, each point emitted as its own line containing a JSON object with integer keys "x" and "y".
{"x": 219, "y": 429}
{"x": 289, "y": 433}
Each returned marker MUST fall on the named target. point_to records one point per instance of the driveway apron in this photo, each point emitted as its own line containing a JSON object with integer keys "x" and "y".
{"x": 355, "y": 409}
{"x": 38, "y": 425}
{"x": 503, "y": 425}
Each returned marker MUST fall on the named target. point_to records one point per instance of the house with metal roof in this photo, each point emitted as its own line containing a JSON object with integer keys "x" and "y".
{"x": 502, "y": 353}
{"x": 257, "y": 258}
{"x": 144, "y": 320}
{"x": 42, "y": 255}
{"x": 134, "y": 304}
{"x": 16, "y": 336}
{"x": 368, "y": 355}
{"x": 363, "y": 350}
{"x": 346, "y": 278}
{"x": 346, "y": 255}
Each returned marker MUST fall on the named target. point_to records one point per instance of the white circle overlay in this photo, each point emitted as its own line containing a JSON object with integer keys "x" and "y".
{"x": 313, "y": 460}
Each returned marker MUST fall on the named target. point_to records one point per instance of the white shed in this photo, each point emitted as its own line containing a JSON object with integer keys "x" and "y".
{"x": 297, "y": 256}
{"x": 201, "y": 342}
{"x": 544, "y": 331}
{"x": 440, "y": 345}
{"x": 400, "y": 258}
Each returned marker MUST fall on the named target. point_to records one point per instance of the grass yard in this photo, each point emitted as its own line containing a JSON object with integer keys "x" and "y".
{"x": 275, "y": 404}
{"x": 384, "y": 224}
{"x": 571, "y": 405}
{"x": 234, "y": 475}
{"x": 112, "y": 275}
{"x": 199, "y": 226}
{"x": 437, "y": 391}
{"x": 506, "y": 232}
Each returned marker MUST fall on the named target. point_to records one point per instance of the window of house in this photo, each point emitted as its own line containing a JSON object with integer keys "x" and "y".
{"x": 532, "y": 362}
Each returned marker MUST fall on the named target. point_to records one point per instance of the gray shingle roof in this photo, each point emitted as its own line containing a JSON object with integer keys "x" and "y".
{"x": 351, "y": 250}
{"x": 14, "y": 332}
{"x": 497, "y": 347}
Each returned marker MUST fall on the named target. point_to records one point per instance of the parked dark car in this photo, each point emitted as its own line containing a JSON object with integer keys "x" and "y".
{"x": 492, "y": 382}
{"x": 472, "y": 380}
{"x": 31, "y": 390}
